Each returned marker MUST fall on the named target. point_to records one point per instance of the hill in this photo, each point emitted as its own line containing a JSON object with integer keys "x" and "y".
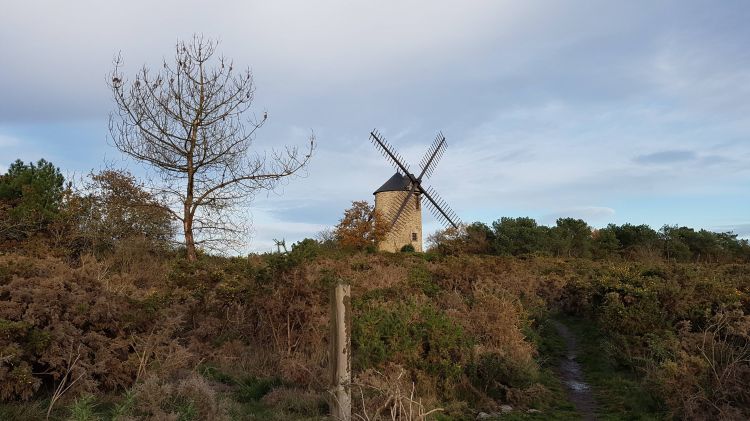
{"x": 142, "y": 335}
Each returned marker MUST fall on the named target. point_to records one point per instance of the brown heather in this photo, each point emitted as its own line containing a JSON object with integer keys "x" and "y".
{"x": 447, "y": 334}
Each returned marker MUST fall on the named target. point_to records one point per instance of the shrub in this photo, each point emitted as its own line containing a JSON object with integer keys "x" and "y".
{"x": 417, "y": 335}
{"x": 495, "y": 374}
{"x": 684, "y": 325}
{"x": 190, "y": 399}
{"x": 421, "y": 279}
{"x": 306, "y": 249}
{"x": 408, "y": 248}
{"x": 707, "y": 375}
{"x": 57, "y": 320}
{"x": 84, "y": 409}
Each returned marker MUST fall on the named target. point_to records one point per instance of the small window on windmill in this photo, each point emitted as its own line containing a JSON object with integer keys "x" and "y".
{"x": 416, "y": 199}
{"x": 414, "y": 236}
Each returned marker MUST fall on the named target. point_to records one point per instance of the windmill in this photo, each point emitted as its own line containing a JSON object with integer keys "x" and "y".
{"x": 399, "y": 199}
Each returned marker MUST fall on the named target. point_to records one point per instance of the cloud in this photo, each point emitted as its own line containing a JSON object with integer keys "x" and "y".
{"x": 671, "y": 157}
{"x": 267, "y": 226}
{"x": 742, "y": 230}
{"x": 8, "y": 141}
{"x": 666, "y": 157}
{"x": 718, "y": 160}
{"x": 294, "y": 47}
{"x": 545, "y": 106}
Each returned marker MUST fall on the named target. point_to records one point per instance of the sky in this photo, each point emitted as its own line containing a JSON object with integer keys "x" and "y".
{"x": 609, "y": 111}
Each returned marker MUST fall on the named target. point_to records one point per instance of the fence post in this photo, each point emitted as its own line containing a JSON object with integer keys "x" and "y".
{"x": 341, "y": 352}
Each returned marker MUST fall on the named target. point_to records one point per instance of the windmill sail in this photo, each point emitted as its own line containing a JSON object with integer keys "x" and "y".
{"x": 428, "y": 163}
{"x": 388, "y": 151}
{"x": 400, "y": 202}
{"x": 440, "y": 209}
{"x": 433, "y": 155}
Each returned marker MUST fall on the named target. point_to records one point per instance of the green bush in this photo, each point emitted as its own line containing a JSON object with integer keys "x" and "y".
{"x": 407, "y": 249}
{"x": 379, "y": 332}
{"x": 417, "y": 335}
{"x": 306, "y": 249}
{"x": 421, "y": 279}
{"x": 84, "y": 409}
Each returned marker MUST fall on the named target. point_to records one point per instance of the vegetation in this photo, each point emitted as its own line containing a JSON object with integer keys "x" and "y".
{"x": 574, "y": 238}
{"x": 190, "y": 122}
{"x": 101, "y": 317}
{"x": 361, "y": 227}
{"x": 30, "y": 198}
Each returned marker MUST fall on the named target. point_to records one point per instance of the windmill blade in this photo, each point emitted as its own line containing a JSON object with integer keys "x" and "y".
{"x": 397, "y": 215}
{"x": 433, "y": 155}
{"x": 388, "y": 151}
{"x": 440, "y": 209}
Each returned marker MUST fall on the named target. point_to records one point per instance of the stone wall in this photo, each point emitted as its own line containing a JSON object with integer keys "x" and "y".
{"x": 410, "y": 221}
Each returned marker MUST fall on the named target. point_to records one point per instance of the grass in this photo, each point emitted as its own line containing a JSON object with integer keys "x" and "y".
{"x": 244, "y": 398}
{"x": 247, "y": 394}
{"x": 84, "y": 409}
{"x": 556, "y": 407}
{"x": 23, "y": 411}
{"x": 619, "y": 393}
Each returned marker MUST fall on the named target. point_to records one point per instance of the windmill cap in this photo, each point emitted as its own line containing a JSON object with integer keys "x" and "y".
{"x": 398, "y": 182}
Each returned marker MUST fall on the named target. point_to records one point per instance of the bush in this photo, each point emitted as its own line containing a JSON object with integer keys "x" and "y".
{"x": 705, "y": 376}
{"x": 422, "y": 280}
{"x": 84, "y": 409}
{"x": 495, "y": 374}
{"x": 189, "y": 399}
{"x": 408, "y": 248}
{"x": 454, "y": 327}
{"x": 55, "y": 319}
{"x": 684, "y": 325}
{"x": 416, "y": 335}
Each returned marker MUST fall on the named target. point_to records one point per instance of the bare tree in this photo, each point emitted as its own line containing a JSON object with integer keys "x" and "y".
{"x": 190, "y": 121}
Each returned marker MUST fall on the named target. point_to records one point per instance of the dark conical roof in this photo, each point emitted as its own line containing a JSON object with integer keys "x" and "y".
{"x": 398, "y": 182}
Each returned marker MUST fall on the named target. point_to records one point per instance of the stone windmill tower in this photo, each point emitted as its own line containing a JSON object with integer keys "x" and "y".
{"x": 399, "y": 199}
{"x": 409, "y": 228}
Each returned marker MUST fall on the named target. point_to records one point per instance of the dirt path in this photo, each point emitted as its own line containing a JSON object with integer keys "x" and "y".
{"x": 579, "y": 392}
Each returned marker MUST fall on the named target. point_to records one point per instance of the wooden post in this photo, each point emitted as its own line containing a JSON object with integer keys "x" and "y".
{"x": 341, "y": 355}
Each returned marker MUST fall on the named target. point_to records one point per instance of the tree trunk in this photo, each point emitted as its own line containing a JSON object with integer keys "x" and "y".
{"x": 189, "y": 239}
